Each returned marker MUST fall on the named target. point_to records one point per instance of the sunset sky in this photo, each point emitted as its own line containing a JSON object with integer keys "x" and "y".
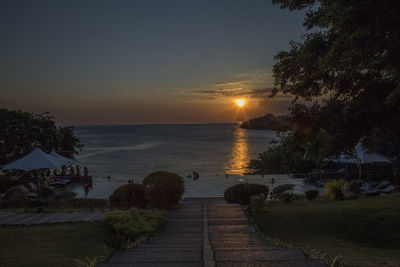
{"x": 143, "y": 61}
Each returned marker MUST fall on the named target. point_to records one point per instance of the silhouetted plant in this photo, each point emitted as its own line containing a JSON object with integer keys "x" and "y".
{"x": 129, "y": 195}
{"x": 241, "y": 193}
{"x": 163, "y": 189}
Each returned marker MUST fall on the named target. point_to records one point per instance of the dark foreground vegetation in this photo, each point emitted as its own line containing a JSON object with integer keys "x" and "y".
{"x": 51, "y": 245}
{"x": 363, "y": 232}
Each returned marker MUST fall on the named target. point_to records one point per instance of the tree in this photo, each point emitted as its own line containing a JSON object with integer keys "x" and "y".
{"x": 345, "y": 74}
{"x": 21, "y": 132}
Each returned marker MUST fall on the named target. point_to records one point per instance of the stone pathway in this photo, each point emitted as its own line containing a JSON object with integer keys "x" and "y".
{"x": 208, "y": 232}
{"x": 15, "y": 218}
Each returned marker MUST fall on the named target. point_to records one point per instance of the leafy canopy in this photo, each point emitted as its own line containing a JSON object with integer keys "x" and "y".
{"x": 344, "y": 75}
{"x": 21, "y": 132}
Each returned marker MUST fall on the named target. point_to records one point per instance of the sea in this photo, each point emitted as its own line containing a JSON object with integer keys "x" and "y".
{"x": 219, "y": 153}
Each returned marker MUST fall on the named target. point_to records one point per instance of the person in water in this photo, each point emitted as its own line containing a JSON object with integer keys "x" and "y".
{"x": 195, "y": 175}
{"x": 85, "y": 171}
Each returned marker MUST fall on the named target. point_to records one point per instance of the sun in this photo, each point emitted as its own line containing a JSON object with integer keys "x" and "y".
{"x": 240, "y": 102}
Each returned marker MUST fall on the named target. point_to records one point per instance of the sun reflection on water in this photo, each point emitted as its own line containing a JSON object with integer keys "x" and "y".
{"x": 240, "y": 158}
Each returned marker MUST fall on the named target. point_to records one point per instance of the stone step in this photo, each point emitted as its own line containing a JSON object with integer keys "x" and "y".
{"x": 170, "y": 246}
{"x": 258, "y": 255}
{"x": 236, "y": 243}
{"x": 247, "y": 247}
{"x": 228, "y": 222}
{"x": 153, "y": 264}
{"x": 175, "y": 242}
{"x": 282, "y": 263}
{"x": 149, "y": 256}
{"x": 229, "y": 228}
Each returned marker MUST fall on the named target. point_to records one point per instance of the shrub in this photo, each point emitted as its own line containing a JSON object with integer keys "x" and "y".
{"x": 335, "y": 189}
{"x": 241, "y": 193}
{"x": 126, "y": 226}
{"x": 279, "y": 191}
{"x": 286, "y": 197}
{"x": 163, "y": 189}
{"x": 258, "y": 202}
{"x": 312, "y": 195}
{"x": 355, "y": 188}
{"x": 129, "y": 195}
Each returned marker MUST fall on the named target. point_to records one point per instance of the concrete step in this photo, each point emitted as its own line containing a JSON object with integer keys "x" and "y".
{"x": 229, "y": 228}
{"x": 153, "y": 264}
{"x": 283, "y": 263}
{"x": 258, "y": 255}
{"x": 228, "y": 222}
{"x": 171, "y": 246}
{"x": 149, "y": 256}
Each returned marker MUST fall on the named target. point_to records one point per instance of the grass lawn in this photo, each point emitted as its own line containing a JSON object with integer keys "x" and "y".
{"x": 365, "y": 232}
{"x": 50, "y": 245}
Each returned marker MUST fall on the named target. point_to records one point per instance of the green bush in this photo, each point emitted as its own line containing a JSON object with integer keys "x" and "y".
{"x": 286, "y": 197}
{"x": 163, "y": 189}
{"x": 312, "y": 195}
{"x": 126, "y": 226}
{"x": 129, "y": 195}
{"x": 355, "y": 188}
{"x": 279, "y": 192}
{"x": 258, "y": 202}
{"x": 241, "y": 193}
{"x": 335, "y": 189}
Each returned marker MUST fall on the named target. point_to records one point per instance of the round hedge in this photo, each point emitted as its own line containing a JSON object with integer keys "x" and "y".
{"x": 129, "y": 195}
{"x": 241, "y": 193}
{"x": 163, "y": 189}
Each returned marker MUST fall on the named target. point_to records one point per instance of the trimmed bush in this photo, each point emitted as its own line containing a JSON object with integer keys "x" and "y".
{"x": 163, "y": 189}
{"x": 129, "y": 195}
{"x": 312, "y": 195}
{"x": 241, "y": 193}
{"x": 127, "y": 226}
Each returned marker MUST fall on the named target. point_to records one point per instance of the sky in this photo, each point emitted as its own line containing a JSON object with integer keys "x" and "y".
{"x": 143, "y": 61}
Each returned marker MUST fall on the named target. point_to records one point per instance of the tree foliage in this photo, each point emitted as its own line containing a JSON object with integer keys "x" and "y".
{"x": 344, "y": 77}
{"x": 21, "y": 132}
{"x": 345, "y": 74}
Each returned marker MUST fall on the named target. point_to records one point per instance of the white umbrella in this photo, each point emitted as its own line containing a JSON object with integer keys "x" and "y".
{"x": 362, "y": 156}
{"x": 68, "y": 160}
{"x": 35, "y": 160}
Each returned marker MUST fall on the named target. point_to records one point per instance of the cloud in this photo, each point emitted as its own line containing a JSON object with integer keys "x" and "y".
{"x": 235, "y": 92}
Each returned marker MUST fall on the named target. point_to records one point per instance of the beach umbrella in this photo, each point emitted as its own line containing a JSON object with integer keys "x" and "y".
{"x": 36, "y": 160}
{"x": 362, "y": 156}
{"x": 68, "y": 160}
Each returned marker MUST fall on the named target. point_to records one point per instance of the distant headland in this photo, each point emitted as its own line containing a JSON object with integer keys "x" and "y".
{"x": 266, "y": 122}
